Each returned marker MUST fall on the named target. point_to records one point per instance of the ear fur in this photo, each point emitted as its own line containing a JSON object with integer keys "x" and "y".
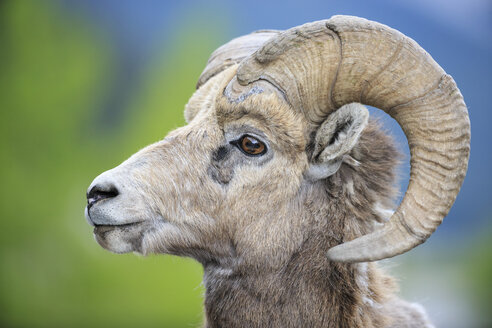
{"x": 335, "y": 138}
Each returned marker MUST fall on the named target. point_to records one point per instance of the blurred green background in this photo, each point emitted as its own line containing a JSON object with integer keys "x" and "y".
{"x": 71, "y": 108}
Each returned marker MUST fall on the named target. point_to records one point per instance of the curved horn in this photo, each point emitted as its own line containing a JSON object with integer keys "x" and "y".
{"x": 233, "y": 52}
{"x": 323, "y": 65}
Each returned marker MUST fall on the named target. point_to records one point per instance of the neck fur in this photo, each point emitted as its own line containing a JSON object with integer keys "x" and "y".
{"x": 305, "y": 289}
{"x": 308, "y": 291}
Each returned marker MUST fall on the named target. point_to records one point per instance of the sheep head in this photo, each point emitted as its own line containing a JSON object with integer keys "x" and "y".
{"x": 275, "y": 115}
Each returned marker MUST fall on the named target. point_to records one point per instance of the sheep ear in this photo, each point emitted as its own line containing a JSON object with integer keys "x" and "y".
{"x": 335, "y": 138}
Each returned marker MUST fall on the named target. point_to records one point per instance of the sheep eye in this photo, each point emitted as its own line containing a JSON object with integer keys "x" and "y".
{"x": 251, "y": 146}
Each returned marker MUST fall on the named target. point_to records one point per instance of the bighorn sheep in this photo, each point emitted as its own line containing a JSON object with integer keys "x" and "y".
{"x": 281, "y": 186}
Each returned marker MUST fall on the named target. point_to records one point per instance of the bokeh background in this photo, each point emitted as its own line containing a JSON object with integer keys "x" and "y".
{"x": 84, "y": 84}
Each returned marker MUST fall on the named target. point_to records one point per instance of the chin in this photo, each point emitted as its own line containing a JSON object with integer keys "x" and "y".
{"x": 121, "y": 238}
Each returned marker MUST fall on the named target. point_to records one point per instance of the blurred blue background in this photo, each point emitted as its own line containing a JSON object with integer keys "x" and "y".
{"x": 84, "y": 84}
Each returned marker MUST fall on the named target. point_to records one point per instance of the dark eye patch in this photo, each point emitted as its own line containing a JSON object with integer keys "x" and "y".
{"x": 221, "y": 167}
{"x": 220, "y": 154}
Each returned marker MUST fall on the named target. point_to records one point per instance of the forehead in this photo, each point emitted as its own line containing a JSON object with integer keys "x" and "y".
{"x": 267, "y": 113}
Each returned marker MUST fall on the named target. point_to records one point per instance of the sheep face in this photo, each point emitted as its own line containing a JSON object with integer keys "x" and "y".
{"x": 200, "y": 193}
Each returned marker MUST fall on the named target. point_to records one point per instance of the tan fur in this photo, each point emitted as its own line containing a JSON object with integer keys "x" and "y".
{"x": 265, "y": 227}
{"x": 260, "y": 229}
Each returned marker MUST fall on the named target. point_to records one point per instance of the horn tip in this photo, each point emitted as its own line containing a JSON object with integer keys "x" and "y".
{"x": 339, "y": 254}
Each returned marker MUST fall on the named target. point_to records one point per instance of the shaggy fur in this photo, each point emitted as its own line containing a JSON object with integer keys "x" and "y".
{"x": 260, "y": 229}
{"x": 304, "y": 289}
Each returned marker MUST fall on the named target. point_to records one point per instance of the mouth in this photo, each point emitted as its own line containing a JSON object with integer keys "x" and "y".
{"x": 125, "y": 237}
{"x": 103, "y": 228}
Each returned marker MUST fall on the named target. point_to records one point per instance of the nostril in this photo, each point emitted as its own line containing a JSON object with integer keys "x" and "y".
{"x": 99, "y": 192}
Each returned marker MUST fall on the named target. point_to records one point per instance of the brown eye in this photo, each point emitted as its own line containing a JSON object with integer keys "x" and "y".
{"x": 252, "y": 146}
